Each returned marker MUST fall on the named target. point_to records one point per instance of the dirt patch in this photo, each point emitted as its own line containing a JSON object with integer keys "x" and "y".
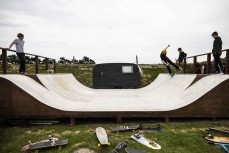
{"x": 70, "y": 132}
{"x": 39, "y": 132}
{"x": 83, "y": 150}
{"x": 78, "y": 144}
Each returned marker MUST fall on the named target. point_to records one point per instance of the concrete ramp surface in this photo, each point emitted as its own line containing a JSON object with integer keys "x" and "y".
{"x": 63, "y": 92}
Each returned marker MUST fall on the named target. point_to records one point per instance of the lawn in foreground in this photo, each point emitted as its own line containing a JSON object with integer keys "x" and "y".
{"x": 179, "y": 137}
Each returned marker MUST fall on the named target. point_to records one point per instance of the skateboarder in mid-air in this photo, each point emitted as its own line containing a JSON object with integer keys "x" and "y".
{"x": 167, "y": 62}
{"x": 181, "y": 57}
{"x": 217, "y": 51}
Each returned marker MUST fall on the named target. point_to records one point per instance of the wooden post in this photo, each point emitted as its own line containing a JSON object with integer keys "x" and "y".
{"x": 227, "y": 62}
{"x": 72, "y": 121}
{"x": 54, "y": 65}
{"x": 119, "y": 120}
{"x": 194, "y": 64}
{"x": 4, "y": 61}
{"x": 209, "y": 63}
{"x": 185, "y": 65}
{"x": 166, "y": 119}
{"x": 36, "y": 64}
{"x": 46, "y": 64}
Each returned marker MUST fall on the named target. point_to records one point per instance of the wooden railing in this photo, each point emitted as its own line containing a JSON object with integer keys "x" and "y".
{"x": 5, "y": 63}
{"x": 208, "y": 68}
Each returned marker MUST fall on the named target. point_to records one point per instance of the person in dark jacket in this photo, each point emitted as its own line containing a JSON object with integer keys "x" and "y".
{"x": 167, "y": 62}
{"x": 217, "y": 51}
{"x": 181, "y": 57}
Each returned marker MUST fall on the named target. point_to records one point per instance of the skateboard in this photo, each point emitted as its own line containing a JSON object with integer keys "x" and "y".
{"x": 141, "y": 139}
{"x": 130, "y": 150}
{"x": 119, "y": 147}
{"x": 217, "y": 130}
{"x": 217, "y": 139}
{"x": 225, "y": 147}
{"x": 157, "y": 128}
{"x": 51, "y": 142}
{"x": 126, "y": 128}
{"x": 102, "y": 136}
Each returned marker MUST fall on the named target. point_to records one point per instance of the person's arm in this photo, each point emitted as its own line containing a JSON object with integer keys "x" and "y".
{"x": 167, "y": 47}
{"x": 10, "y": 45}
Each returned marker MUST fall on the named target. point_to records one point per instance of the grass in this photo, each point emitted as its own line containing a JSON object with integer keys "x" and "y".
{"x": 179, "y": 137}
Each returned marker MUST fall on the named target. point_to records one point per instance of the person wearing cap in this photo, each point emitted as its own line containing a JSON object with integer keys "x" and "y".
{"x": 181, "y": 57}
{"x": 217, "y": 51}
{"x": 19, "y": 43}
{"x": 167, "y": 62}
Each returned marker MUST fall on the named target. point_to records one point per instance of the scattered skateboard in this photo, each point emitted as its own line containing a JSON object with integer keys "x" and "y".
{"x": 217, "y": 139}
{"x": 157, "y": 128}
{"x": 119, "y": 147}
{"x": 126, "y": 128}
{"x": 102, "y": 136}
{"x": 130, "y": 150}
{"x": 51, "y": 142}
{"x": 217, "y": 130}
{"x": 225, "y": 147}
{"x": 141, "y": 139}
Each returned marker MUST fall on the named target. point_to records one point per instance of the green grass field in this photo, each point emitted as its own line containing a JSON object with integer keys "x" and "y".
{"x": 181, "y": 136}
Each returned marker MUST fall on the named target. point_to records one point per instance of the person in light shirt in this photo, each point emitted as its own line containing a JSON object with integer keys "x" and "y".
{"x": 19, "y": 43}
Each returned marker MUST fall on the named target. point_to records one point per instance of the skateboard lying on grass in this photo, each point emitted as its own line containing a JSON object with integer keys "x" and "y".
{"x": 126, "y": 128}
{"x": 211, "y": 138}
{"x": 120, "y": 147}
{"x": 217, "y": 130}
{"x": 51, "y": 142}
{"x": 102, "y": 136}
{"x": 157, "y": 128}
{"x": 130, "y": 150}
{"x": 141, "y": 139}
{"x": 225, "y": 147}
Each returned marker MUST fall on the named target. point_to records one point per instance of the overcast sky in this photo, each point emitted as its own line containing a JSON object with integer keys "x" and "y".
{"x": 114, "y": 30}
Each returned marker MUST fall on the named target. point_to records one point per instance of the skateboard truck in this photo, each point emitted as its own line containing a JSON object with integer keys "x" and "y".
{"x": 210, "y": 136}
{"x": 137, "y": 136}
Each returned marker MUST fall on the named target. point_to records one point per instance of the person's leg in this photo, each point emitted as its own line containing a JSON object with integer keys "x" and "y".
{"x": 171, "y": 63}
{"x": 216, "y": 62}
{"x": 168, "y": 68}
{"x": 22, "y": 62}
{"x": 220, "y": 64}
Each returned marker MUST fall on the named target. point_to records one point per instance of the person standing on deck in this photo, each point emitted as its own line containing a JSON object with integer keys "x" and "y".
{"x": 167, "y": 62}
{"x": 217, "y": 51}
{"x": 181, "y": 57}
{"x": 19, "y": 43}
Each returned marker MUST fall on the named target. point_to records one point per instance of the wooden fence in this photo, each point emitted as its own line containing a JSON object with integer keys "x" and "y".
{"x": 5, "y": 63}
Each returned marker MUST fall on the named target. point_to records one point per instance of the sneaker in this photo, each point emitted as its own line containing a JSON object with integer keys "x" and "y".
{"x": 171, "y": 74}
{"x": 221, "y": 73}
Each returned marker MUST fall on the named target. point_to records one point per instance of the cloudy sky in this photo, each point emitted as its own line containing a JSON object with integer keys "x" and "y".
{"x": 114, "y": 30}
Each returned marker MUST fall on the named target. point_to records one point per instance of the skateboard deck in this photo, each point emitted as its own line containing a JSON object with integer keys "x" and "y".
{"x": 44, "y": 144}
{"x": 126, "y": 128}
{"x": 119, "y": 147}
{"x": 217, "y": 130}
{"x": 141, "y": 139}
{"x": 130, "y": 150}
{"x": 218, "y": 139}
{"x": 157, "y": 128}
{"x": 102, "y": 136}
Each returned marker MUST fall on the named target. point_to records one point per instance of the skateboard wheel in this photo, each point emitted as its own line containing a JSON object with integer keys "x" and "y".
{"x": 59, "y": 148}
{"x": 109, "y": 144}
{"x": 36, "y": 151}
{"x": 99, "y": 144}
